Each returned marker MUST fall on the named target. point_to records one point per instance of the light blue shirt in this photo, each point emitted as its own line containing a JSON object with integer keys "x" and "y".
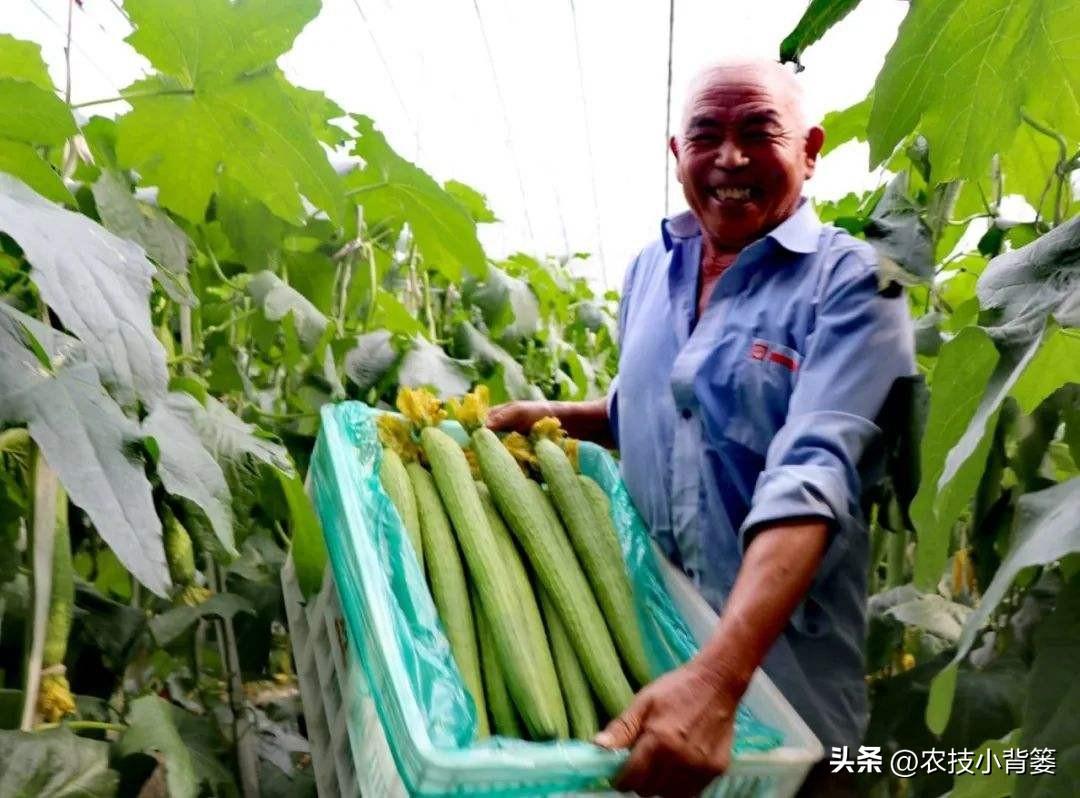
{"x": 760, "y": 411}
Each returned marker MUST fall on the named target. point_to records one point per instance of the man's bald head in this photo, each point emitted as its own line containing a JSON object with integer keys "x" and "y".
{"x": 781, "y": 83}
{"x": 744, "y": 150}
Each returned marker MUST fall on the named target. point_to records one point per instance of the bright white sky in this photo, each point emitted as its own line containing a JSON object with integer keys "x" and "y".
{"x": 422, "y": 70}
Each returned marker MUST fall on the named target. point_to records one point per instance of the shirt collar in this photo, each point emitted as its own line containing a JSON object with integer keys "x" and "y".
{"x": 798, "y": 233}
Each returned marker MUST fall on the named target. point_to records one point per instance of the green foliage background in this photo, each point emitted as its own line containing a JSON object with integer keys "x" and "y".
{"x": 183, "y": 287}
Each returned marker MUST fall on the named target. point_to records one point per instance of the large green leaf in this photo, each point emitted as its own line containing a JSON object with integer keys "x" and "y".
{"x": 960, "y": 72}
{"x": 963, "y": 368}
{"x": 1045, "y": 531}
{"x": 85, "y": 438}
{"x": 475, "y": 202}
{"x": 22, "y": 161}
{"x": 900, "y": 236}
{"x": 255, "y": 233}
{"x": 169, "y": 625}
{"x": 1057, "y": 363}
{"x": 30, "y": 114}
{"x": 54, "y": 764}
{"x": 185, "y": 467}
{"x": 998, "y": 782}
{"x": 104, "y": 624}
{"x": 1029, "y": 371}
{"x": 1052, "y": 711}
{"x": 151, "y": 729}
{"x": 1028, "y": 284}
{"x": 425, "y": 364}
{"x": 819, "y": 16}
{"x": 277, "y": 299}
{"x": 219, "y": 106}
{"x": 308, "y": 547}
{"x": 932, "y": 613}
{"x": 391, "y": 188}
{"x": 1028, "y": 169}
{"x": 21, "y": 60}
{"x": 150, "y": 228}
{"x": 231, "y": 440}
{"x": 510, "y": 308}
{"x": 394, "y": 316}
{"x": 370, "y": 359}
{"x": 473, "y": 344}
{"x": 1014, "y": 361}
{"x": 846, "y": 125}
{"x": 98, "y": 285}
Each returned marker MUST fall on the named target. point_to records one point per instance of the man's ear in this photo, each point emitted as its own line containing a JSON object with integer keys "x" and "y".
{"x": 815, "y": 138}
{"x": 673, "y": 145}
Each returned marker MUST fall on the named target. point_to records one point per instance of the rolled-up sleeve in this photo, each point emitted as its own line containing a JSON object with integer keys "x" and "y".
{"x": 861, "y": 343}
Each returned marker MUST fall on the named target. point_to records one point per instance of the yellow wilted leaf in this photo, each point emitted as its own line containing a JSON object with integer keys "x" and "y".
{"x": 420, "y": 406}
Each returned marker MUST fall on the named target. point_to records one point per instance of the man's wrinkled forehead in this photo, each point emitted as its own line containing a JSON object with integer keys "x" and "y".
{"x": 751, "y": 90}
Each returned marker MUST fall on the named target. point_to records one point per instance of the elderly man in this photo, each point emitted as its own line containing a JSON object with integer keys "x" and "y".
{"x": 755, "y": 351}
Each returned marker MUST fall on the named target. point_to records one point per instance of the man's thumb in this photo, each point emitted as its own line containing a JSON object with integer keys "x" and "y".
{"x": 623, "y": 730}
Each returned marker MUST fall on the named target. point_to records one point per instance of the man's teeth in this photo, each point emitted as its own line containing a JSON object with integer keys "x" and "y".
{"x": 731, "y": 193}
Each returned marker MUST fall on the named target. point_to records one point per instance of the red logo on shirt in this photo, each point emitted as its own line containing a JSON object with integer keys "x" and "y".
{"x": 759, "y": 350}
{"x": 783, "y": 360}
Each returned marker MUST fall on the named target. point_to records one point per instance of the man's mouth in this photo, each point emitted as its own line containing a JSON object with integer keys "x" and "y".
{"x": 730, "y": 194}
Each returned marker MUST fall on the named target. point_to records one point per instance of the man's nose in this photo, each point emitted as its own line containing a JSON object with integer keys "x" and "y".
{"x": 730, "y": 156}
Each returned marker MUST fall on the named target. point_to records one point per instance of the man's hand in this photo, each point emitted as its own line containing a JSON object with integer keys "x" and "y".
{"x": 518, "y": 416}
{"x": 680, "y": 727}
{"x": 679, "y": 730}
{"x": 585, "y": 420}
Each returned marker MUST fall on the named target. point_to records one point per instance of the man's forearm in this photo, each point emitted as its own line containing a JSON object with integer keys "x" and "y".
{"x": 776, "y": 573}
{"x": 586, "y": 420}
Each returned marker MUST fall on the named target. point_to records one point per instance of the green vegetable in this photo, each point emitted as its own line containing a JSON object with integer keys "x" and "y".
{"x": 395, "y": 481}
{"x": 534, "y": 623}
{"x": 54, "y": 694}
{"x": 575, "y": 688}
{"x": 553, "y": 560}
{"x": 179, "y": 551}
{"x": 484, "y": 558}
{"x": 598, "y": 550}
{"x": 446, "y": 576}
{"x": 608, "y": 538}
{"x": 503, "y": 715}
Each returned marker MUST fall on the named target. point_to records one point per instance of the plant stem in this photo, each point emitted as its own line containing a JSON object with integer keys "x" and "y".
{"x": 373, "y": 274}
{"x": 894, "y": 559}
{"x": 1060, "y": 168}
{"x": 82, "y": 725}
{"x": 42, "y": 531}
{"x": 67, "y": 54}
{"x": 134, "y": 95}
{"x": 244, "y": 732}
{"x": 425, "y": 283}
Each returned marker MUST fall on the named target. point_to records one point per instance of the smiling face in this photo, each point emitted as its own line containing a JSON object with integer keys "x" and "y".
{"x": 744, "y": 152}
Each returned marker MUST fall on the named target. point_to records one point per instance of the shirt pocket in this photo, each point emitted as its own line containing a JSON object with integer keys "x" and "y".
{"x": 763, "y": 378}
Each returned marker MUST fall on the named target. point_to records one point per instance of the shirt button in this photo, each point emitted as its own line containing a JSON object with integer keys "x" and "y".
{"x": 687, "y": 413}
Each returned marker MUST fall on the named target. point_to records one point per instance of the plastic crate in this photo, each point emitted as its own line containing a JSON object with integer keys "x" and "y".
{"x": 350, "y": 752}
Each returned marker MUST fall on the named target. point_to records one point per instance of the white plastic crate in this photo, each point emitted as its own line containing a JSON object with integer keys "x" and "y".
{"x": 350, "y": 753}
